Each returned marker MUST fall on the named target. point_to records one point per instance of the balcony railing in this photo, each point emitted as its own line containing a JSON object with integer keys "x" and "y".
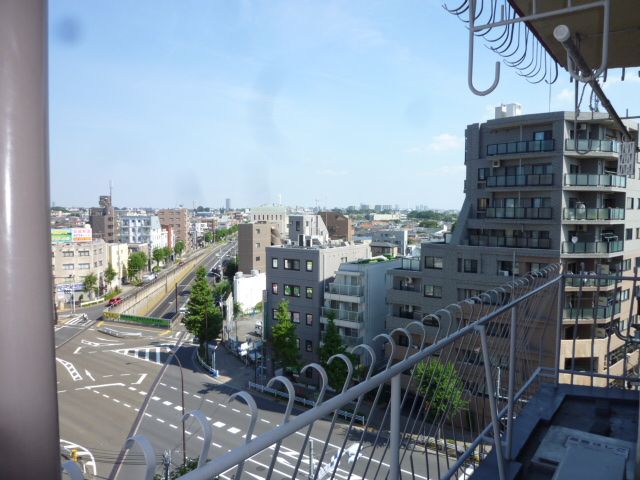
{"x": 531, "y": 213}
{"x": 593, "y": 145}
{"x": 524, "y": 180}
{"x": 593, "y": 214}
{"x": 593, "y": 247}
{"x": 352, "y": 290}
{"x": 410, "y": 264}
{"x": 341, "y": 314}
{"x": 531, "y": 146}
{"x": 511, "y": 242}
{"x": 601, "y": 313}
{"x": 585, "y": 281}
{"x": 346, "y": 340}
{"x": 588, "y": 180}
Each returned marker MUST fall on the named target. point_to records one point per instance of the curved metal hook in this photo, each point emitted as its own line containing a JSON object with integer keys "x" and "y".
{"x": 323, "y": 376}
{"x": 290, "y": 390}
{"x": 406, "y": 334}
{"x": 346, "y": 360}
{"x": 388, "y": 338}
{"x": 496, "y": 79}
{"x": 253, "y": 408}
{"x": 73, "y": 470}
{"x": 424, "y": 331}
{"x": 372, "y": 354}
{"x": 147, "y": 450}
{"x": 206, "y": 433}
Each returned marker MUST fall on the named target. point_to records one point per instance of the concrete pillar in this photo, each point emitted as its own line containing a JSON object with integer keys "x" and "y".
{"x": 29, "y": 439}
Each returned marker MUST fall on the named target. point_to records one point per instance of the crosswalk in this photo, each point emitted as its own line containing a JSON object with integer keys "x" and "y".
{"x": 188, "y": 337}
{"x": 156, "y": 355}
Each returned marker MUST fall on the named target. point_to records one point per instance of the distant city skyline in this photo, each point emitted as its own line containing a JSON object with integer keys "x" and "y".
{"x": 281, "y": 102}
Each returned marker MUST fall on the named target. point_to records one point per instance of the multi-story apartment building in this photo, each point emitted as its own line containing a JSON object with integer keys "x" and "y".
{"x": 104, "y": 221}
{"x": 540, "y": 189}
{"x": 179, "y": 220}
{"x": 273, "y": 214}
{"x": 142, "y": 229}
{"x": 307, "y": 229}
{"x": 398, "y": 237}
{"x": 339, "y": 226}
{"x": 300, "y": 275}
{"x": 253, "y": 239}
{"x": 118, "y": 258}
{"x": 356, "y": 298}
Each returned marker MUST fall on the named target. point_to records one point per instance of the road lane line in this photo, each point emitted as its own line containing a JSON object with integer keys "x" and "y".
{"x": 218, "y": 424}
{"x": 142, "y": 377}
{"x": 235, "y": 410}
{"x": 89, "y": 387}
{"x": 88, "y": 374}
{"x": 75, "y": 352}
{"x": 173, "y": 426}
{"x": 167, "y": 403}
{"x": 159, "y": 420}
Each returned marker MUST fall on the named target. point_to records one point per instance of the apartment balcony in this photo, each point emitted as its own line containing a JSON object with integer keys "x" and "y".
{"x": 589, "y": 284}
{"x": 347, "y": 341}
{"x": 531, "y": 146}
{"x": 520, "y": 213}
{"x": 593, "y": 313}
{"x": 412, "y": 264}
{"x": 340, "y": 314}
{"x": 509, "y": 242}
{"x": 350, "y": 290}
{"x": 525, "y": 180}
{"x": 593, "y": 214}
{"x": 571, "y": 248}
{"x": 588, "y": 146}
{"x": 588, "y": 180}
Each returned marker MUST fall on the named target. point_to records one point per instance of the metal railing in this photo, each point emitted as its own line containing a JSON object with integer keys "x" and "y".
{"x": 588, "y": 180}
{"x": 593, "y": 145}
{"x": 341, "y": 314}
{"x": 338, "y": 289}
{"x": 511, "y": 242}
{"x": 443, "y": 402}
{"x": 593, "y": 214}
{"x": 531, "y": 146}
{"x": 601, "y": 313}
{"x": 532, "y": 213}
{"x": 524, "y": 180}
{"x": 593, "y": 247}
{"x": 410, "y": 264}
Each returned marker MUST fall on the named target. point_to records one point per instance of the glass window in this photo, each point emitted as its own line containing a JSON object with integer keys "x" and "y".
{"x": 291, "y": 264}
{"x": 274, "y": 263}
{"x": 67, "y": 254}
{"x": 84, "y": 266}
{"x": 309, "y": 320}
{"x": 67, "y": 266}
{"x": 308, "y": 345}
{"x": 628, "y": 234}
{"x": 483, "y": 173}
{"x": 309, "y": 292}
{"x": 543, "y": 135}
{"x": 434, "y": 263}
{"x": 274, "y": 288}
{"x": 258, "y": 258}
{"x": 434, "y": 291}
{"x": 483, "y": 203}
{"x": 291, "y": 290}
{"x": 295, "y": 317}
{"x": 309, "y": 265}
{"x": 83, "y": 253}
{"x": 470, "y": 266}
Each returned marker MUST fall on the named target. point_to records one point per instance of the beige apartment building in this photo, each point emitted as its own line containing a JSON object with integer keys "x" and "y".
{"x": 540, "y": 189}
{"x": 71, "y": 262}
{"x": 180, "y": 222}
{"x": 253, "y": 239}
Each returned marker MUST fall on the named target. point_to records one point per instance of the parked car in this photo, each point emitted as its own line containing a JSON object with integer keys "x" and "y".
{"x": 183, "y": 308}
{"x": 114, "y": 301}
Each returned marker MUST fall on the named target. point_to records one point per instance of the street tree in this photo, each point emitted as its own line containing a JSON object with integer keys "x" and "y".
{"x": 442, "y": 386}
{"x": 90, "y": 282}
{"x": 203, "y": 318}
{"x": 109, "y": 274}
{"x": 179, "y": 247}
{"x": 231, "y": 269}
{"x": 284, "y": 338}
{"x": 137, "y": 262}
{"x": 208, "y": 237}
{"x": 337, "y": 370}
{"x": 158, "y": 255}
{"x": 168, "y": 252}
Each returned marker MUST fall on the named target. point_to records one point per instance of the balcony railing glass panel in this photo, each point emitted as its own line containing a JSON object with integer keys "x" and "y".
{"x": 593, "y": 214}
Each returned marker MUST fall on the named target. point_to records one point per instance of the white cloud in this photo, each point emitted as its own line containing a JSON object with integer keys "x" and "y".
{"x": 329, "y": 172}
{"x": 564, "y": 95}
{"x": 445, "y": 142}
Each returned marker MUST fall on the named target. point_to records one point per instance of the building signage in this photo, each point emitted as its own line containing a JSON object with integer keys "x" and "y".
{"x": 627, "y": 159}
{"x": 60, "y": 235}
{"x": 81, "y": 235}
{"x": 71, "y": 235}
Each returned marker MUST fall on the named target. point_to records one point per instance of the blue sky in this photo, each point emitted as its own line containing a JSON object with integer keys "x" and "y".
{"x": 185, "y": 101}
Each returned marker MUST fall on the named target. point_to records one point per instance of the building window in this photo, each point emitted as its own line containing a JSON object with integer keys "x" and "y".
{"x": 628, "y": 234}
{"x": 67, "y": 266}
{"x": 308, "y": 345}
{"x": 483, "y": 203}
{"x": 626, "y": 264}
{"x": 298, "y": 343}
{"x": 291, "y": 290}
{"x": 467, "y": 265}
{"x": 295, "y": 317}
{"x": 291, "y": 264}
{"x": 258, "y": 258}
{"x": 273, "y": 314}
{"x": 433, "y": 291}
{"x": 309, "y": 292}
{"x": 483, "y": 173}
{"x": 67, "y": 253}
{"x": 434, "y": 263}
{"x": 309, "y": 266}
{"x": 309, "y": 320}
{"x": 274, "y": 288}
{"x": 274, "y": 263}
{"x": 257, "y": 244}
{"x": 84, "y": 266}
{"x": 624, "y": 296}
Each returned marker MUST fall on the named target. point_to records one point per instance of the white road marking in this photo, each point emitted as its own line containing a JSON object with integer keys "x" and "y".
{"x": 127, "y": 405}
{"x": 265, "y": 421}
{"x": 167, "y": 403}
{"x": 233, "y": 430}
{"x": 89, "y": 387}
{"x": 75, "y": 352}
{"x": 142, "y": 393}
{"x": 160, "y": 420}
{"x": 178, "y": 407}
{"x": 133, "y": 389}
{"x": 196, "y": 396}
{"x": 116, "y": 400}
{"x": 155, "y": 399}
{"x": 173, "y": 426}
{"x": 235, "y": 410}
{"x": 142, "y": 377}
{"x": 88, "y": 374}
{"x": 70, "y": 369}
{"x": 218, "y": 424}
{"x": 173, "y": 388}
{"x": 61, "y": 391}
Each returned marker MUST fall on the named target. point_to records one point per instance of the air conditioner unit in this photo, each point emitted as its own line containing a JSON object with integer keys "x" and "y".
{"x": 495, "y": 163}
{"x": 504, "y": 273}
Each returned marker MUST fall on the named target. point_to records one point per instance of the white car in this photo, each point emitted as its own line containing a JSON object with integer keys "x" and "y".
{"x": 183, "y": 308}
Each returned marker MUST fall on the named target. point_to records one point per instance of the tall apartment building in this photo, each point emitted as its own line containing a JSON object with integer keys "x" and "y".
{"x": 307, "y": 229}
{"x": 339, "y": 226}
{"x": 273, "y": 214}
{"x": 104, "y": 221}
{"x": 300, "y": 275}
{"x": 142, "y": 229}
{"x": 540, "y": 189}
{"x": 179, "y": 220}
{"x": 399, "y": 237}
{"x": 253, "y": 239}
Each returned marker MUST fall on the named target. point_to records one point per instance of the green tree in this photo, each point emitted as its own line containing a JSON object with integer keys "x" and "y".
{"x": 203, "y": 318}
{"x": 231, "y": 269}
{"x": 125, "y": 273}
{"x": 208, "y": 237}
{"x": 332, "y": 345}
{"x": 442, "y": 387}
{"x": 179, "y": 247}
{"x": 158, "y": 255}
{"x": 284, "y": 338}
{"x": 429, "y": 224}
{"x": 191, "y": 464}
{"x": 110, "y": 274}
{"x": 137, "y": 262}
{"x": 167, "y": 251}
{"x": 90, "y": 282}
{"x": 221, "y": 291}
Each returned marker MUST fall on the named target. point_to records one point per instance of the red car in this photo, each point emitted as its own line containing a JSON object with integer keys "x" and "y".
{"x": 114, "y": 301}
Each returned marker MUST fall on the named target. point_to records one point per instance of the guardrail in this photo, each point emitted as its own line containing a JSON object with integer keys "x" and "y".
{"x": 136, "y": 320}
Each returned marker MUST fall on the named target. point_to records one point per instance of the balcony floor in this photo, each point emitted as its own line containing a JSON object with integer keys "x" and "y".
{"x": 545, "y": 434}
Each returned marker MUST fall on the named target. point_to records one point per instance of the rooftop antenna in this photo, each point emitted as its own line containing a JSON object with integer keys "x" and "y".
{"x": 110, "y": 191}
{"x": 279, "y": 199}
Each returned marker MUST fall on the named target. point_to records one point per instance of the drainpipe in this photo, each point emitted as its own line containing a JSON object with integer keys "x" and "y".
{"x": 28, "y": 403}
